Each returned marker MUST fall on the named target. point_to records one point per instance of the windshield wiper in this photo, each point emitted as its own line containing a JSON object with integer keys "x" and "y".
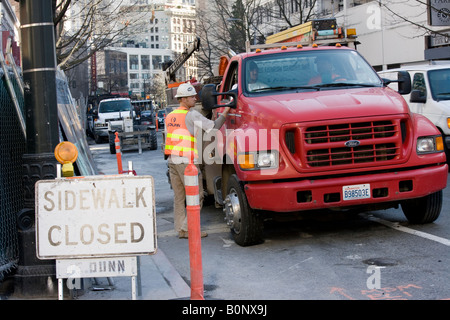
{"x": 285, "y": 88}
{"x": 345, "y": 84}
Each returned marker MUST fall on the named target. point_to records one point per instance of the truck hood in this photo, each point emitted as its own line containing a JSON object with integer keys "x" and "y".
{"x": 329, "y": 104}
{"x": 445, "y": 102}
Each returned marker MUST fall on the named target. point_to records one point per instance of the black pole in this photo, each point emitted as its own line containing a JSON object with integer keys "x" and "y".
{"x": 39, "y": 74}
{"x": 36, "y": 277}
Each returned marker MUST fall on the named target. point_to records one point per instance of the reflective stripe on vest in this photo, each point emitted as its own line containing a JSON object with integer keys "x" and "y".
{"x": 179, "y": 141}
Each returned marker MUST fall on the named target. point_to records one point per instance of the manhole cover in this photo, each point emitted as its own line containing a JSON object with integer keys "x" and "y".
{"x": 381, "y": 262}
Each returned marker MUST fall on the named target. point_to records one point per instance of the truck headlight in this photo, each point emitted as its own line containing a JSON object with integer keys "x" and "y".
{"x": 267, "y": 160}
{"x": 258, "y": 160}
{"x": 99, "y": 123}
{"x": 430, "y": 144}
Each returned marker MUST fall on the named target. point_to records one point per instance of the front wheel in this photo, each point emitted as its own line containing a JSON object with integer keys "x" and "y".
{"x": 98, "y": 139}
{"x": 423, "y": 210}
{"x": 153, "y": 139}
{"x": 245, "y": 225}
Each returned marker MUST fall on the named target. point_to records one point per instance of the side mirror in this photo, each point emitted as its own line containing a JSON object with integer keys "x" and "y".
{"x": 209, "y": 98}
{"x": 403, "y": 80}
{"x": 418, "y": 96}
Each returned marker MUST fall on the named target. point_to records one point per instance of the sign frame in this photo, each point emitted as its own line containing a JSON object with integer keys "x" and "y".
{"x": 71, "y": 223}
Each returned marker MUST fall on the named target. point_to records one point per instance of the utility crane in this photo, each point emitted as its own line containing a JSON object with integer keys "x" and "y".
{"x": 171, "y": 67}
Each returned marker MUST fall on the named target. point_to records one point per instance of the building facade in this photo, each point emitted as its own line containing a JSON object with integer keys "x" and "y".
{"x": 157, "y": 32}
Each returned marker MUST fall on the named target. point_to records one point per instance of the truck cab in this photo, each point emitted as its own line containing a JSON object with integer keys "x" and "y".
{"x": 315, "y": 128}
{"x": 111, "y": 111}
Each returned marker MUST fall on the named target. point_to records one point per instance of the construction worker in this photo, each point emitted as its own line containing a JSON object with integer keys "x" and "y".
{"x": 182, "y": 126}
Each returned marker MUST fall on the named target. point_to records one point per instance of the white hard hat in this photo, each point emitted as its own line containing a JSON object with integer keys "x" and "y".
{"x": 185, "y": 90}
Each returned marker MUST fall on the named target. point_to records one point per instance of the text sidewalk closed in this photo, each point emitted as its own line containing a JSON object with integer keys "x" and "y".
{"x": 95, "y": 216}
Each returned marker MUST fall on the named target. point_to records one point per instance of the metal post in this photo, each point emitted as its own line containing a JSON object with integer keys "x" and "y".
{"x": 36, "y": 277}
{"x": 39, "y": 74}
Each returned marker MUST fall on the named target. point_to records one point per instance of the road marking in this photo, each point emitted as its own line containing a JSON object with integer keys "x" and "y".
{"x": 397, "y": 226}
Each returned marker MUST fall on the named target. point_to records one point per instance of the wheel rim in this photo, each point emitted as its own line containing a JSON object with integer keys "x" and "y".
{"x": 232, "y": 210}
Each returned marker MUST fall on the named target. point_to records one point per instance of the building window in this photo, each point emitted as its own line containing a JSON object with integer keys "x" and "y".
{"x": 145, "y": 62}
{"x": 134, "y": 62}
{"x": 156, "y": 61}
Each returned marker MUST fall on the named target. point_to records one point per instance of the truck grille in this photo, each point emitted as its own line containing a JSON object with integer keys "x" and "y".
{"x": 345, "y": 144}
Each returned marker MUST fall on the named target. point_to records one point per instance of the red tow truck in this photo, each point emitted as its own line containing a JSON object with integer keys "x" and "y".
{"x": 321, "y": 130}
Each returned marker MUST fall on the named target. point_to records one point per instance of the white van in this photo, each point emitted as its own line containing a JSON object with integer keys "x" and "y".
{"x": 111, "y": 110}
{"x": 430, "y": 95}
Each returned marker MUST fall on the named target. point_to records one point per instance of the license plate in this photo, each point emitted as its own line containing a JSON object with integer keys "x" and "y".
{"x": 355, "y": 192}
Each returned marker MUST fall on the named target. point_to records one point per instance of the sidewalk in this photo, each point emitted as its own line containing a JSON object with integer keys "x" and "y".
{"x": 158, "y": 278}
{"x": 158, "y": 281}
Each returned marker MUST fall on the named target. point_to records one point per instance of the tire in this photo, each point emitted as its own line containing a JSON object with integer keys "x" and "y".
{"x": 97, "y": 138}
{"x": 423, "y": 210}
{"x": 245, "y": 225}
{"x": 153, "y": 140}
{"x": 112, "y": 144}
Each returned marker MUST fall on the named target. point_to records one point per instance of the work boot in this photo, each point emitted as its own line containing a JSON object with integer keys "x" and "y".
{"x": 184, "y": 234}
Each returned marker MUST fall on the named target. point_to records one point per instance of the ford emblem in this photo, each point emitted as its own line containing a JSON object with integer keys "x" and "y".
{"x": 352, "y": 143}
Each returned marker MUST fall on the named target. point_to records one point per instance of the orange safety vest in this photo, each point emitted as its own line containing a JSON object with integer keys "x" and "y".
{"x": 179, "y": 141}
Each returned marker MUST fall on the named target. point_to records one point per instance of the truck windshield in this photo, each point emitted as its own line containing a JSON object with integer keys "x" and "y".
{"x": 114, "y": 106}
{"x": 440, "y": 84}
{"x": 308, "y": 70}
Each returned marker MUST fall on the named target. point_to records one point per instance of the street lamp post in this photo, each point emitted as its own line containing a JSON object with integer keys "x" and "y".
{"x": 36, "y": 277}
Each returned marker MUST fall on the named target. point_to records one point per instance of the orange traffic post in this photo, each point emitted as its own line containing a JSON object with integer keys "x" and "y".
{"x": 194, "y": 236}
{"x": 118, "y": 153}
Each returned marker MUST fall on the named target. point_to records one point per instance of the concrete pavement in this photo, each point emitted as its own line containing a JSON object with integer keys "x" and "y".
{"x": 158, "y": 281}
{"x": 158, "y": 278}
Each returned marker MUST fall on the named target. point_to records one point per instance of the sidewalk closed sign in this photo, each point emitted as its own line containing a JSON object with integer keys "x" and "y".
{"x": 95, "y": 216}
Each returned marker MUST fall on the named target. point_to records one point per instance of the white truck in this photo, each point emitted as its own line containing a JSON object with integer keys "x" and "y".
{"x": 117, "y": 115}
{"x": 430, "y": 95}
